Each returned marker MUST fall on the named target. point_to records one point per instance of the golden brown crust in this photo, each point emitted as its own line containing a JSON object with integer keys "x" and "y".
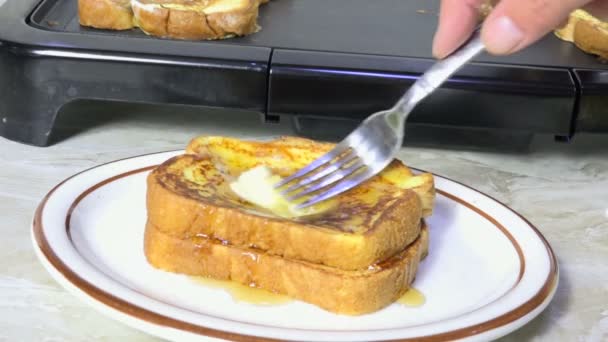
{"x": 188, "y": 195}
{"x": 184, "y": 217}
{"x": 238, "y": 23}
{"x": 587, "y": 32}
{"x": 178, "y": 19}
{"x": 195, "y": 20}
{"x": 189, "y": 25}
{"x": 106, "y": 14}
{"x": 152, "y": 21}
{"x": 591, "y": 38}
{"x": 339, "y": 291}
{"x": 288, "y": 150}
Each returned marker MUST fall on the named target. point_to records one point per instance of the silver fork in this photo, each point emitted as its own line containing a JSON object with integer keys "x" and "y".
{"x": 373, "y": 145}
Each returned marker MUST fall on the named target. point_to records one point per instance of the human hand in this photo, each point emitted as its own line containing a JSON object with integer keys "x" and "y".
{"x": 512, "y": 26}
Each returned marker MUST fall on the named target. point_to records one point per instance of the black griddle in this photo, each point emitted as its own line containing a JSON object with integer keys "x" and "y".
{"x": 326, "y": 64}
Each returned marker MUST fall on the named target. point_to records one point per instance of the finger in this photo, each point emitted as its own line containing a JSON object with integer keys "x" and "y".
{"x": 457, "y": 19}
{"x": 516, "y": 24}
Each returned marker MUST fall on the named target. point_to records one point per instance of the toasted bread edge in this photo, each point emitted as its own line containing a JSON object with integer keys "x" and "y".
{"x": 338, "y": 291}
{"x": 183, "y": 217}
{"x": 189, "y": 24}
{"x": 105, "y": 14}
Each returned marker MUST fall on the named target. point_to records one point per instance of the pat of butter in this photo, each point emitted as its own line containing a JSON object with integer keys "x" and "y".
{"x": 257, "y": 187}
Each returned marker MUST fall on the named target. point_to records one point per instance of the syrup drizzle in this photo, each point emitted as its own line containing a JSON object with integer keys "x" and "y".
{"x": 253, "y": 295}
{"x": 412, "y": 298}
{"x": 244, "y": 294}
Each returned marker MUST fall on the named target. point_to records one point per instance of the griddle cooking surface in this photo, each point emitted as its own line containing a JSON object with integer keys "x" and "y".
{"x": 379, "y": 27}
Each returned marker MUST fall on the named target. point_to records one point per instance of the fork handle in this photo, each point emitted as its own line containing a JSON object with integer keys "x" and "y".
{"x": 439, "y": 73}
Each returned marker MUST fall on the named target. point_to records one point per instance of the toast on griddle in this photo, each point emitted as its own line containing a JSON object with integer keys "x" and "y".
{"x": 177, "y": 19}
{"x": 106, "y": 14}
{"x": 196, "y": 19}
{"x": 587, "y": 32}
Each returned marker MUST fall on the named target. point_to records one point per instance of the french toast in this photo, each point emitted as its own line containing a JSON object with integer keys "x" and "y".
{"x": 587, "y": 32}
{"x": 284, "y": 153}
{"x": 189, "y": 196}
{"x": 176, "y": 19}
{"x": 196, "y": 19}
{"x": 338, "y": 291}
{"x": 106, "y": 14}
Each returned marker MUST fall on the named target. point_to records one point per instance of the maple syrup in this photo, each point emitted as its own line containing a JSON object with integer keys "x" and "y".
{"x": 244, "y": 294}
{"x": 412, "y": 297}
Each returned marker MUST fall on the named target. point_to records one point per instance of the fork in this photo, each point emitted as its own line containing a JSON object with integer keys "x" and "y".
{"x": 374, "y": 143}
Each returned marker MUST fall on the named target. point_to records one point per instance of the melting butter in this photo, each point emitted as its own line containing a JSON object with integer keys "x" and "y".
{"x": 412, "y": 297}
{"x": 257, "y": 186}
{"x": 244, "y": 294}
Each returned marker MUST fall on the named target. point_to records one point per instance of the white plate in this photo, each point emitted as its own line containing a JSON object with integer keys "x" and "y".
{"x": 489, "y": 271}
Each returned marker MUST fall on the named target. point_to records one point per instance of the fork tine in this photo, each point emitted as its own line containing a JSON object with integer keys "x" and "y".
{"x": 340, "y": 187}
{"x": 343, "y": 160}
{"x": 336, "y": 151}
{"x": 329, "y": 180}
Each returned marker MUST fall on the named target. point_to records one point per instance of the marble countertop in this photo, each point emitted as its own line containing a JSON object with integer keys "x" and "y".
{"x": 561, "y": 188}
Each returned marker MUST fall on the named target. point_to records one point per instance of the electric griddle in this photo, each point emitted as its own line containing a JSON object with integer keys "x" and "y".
{"x": 325, "y": 64}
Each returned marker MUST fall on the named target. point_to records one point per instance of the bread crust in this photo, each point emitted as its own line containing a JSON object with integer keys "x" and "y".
{"x": 194, "y": 23}
{"x": 152, "y": 21}
{"x": 592, "y": 38}
{"x": 235, "y": 23}
{"x": 106, "y": 14}
{"x": 184, "y": 207}
{"x": 335, "y": 290}
{"x": 185, "y": 217}
{"x": 588, "y": 33}
{"x": 197, "y": 20}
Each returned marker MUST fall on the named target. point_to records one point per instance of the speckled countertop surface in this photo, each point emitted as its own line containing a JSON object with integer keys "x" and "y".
{"x": 562, "y": 189}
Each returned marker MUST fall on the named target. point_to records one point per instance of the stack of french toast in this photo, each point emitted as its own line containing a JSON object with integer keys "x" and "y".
{"x": 177, "y": 19}
{"x": 353, "y": 254}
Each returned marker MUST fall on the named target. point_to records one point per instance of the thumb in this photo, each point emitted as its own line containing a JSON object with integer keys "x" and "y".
{"x": 516, "y": 24}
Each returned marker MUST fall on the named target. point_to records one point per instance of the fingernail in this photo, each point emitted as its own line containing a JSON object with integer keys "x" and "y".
{"x": 438, "y": 51}
{"x": 502, "y": 36}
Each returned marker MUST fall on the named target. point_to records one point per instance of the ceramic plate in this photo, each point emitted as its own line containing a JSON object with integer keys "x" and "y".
{"x": 489, "y": 271}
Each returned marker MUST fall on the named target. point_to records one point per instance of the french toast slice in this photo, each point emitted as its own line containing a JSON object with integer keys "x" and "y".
{"x": 587, "y": 32}
{"x": 189, "y": 195}
{"x": 106, "y": 14}
{"x": 196, "y": 19}
{"x": 286, "y": 153}
{"x": 339, "y": 291}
